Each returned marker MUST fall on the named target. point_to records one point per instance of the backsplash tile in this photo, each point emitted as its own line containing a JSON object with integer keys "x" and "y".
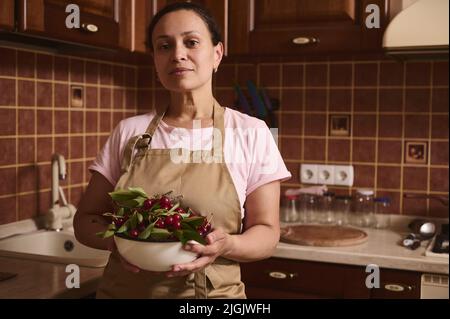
{"x": 388, "y": 102}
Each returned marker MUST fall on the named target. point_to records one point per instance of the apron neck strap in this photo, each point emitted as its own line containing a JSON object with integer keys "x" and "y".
{"x": 218, "y": 121}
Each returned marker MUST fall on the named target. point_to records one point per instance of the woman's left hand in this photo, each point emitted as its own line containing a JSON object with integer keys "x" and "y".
{"x": 217, "y": 244}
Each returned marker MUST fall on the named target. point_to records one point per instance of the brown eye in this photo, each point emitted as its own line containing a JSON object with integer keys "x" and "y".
{"x": 192, "y": 43}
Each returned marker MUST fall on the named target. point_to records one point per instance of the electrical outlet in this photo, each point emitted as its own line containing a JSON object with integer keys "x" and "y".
{"x": 308, "y": 173}
{"x": 343, "y": 175}
{"x": 325, "y": 174}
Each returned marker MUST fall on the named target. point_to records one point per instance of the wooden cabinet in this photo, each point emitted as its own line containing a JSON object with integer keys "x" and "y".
{"x": 279, "y": 278}
{"x": 293, "y": 27}
{"x": 7, "y": 15}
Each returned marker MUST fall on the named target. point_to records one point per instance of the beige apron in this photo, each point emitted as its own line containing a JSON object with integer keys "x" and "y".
{"x": 207, "y": 187}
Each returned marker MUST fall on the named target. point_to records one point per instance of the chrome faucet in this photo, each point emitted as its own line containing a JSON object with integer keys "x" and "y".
{"x": 58, "y": 213}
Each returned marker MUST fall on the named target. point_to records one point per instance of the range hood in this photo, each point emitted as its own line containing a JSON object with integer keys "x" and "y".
{"x": 420, "y": 29}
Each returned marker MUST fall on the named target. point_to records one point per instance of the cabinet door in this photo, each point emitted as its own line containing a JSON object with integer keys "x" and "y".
{"x": 218, "y": 8}
{"x": 7, "y": 15}
{"x": 99, "y": 20}
{"x": 397, "y": 284}
{"x": 290, "y": 27}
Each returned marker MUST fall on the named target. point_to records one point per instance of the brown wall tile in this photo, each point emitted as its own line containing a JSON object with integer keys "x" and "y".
{"x": 7, "y": 122}
{"x": 76, "y": 70}
{"x": 315, "y": 125}
{"x": 44, "y": 94}
{"x": 91, "y": 146}
{"x": 340, "y": 100}
{"x": 440, "y": 100}
{"x": 365, "y": 100}
{"x": 76, "y": 122}
{"x": 118, "y": 98}
{"x": 291, "y": 148}
{"x": 269, "y": 75}
{"x": 118, "y": 75}
{"x": 316, "y": 74}
{"x": 440, "y": 73}
{"x": 8, "y": 210}
{"x": 76, "y": 172}
{"x": 26, "y": 122}
{"x": 130, "y": 77}
{"x": 92, "y": 70}
{"x": 292, "y": 75}
{"x": 415, "y": 207}
{"x": 417, "y": 126}
{"x": 28, "y": 206}
{"x": 338, "y": 150}
{"x": 391, "y": 100}
{"x": 44, "y": 120}
{"x": 61, "y": 68}
{"x": 439, "y": 126}
{"x": 225, "y": 97}
{"x": 292, "y": 99}
{"x": 415, "y": 178}
{"x": 341, "y": 74}
{"x": 105, "y": 122}
{"x": 145, "y": 76}
{"x": 391, "y": 73}
{"x": 315, "y": 100}
{"x": 8, "y": 174}
{"x": 245, "y": 73}
{"x": 44, "y": 149}
{"x": 91, "y": 122}
{"x": 75, "y": 194}
{"x": 437, "y": 209}
{"x": 26, "y": 93}
{"x": 106, "y": 74}
{"x": 44, "y": 202}
{"x": 314, "y": 149}
{"x": 8, "y": 64}
{"x": 417, "y": 100}
{"x": 294, "y": 169}
{"x": 390, "y": 126}
{"x": 76, "y": 147}
{"x": 26, "y": 150}
{"x": 62, "y": 146}
{"x": 291, "y": 124}
{"x": 366, "y": 74}
{"x": 394, "y": 206}
{"x": 363, "y": 151}
{"x": 388, "y": 177}
{"x": 8, "y": 151}
{"x": 130, "y": 99}
{"x": 364, "y": 176}
{"x": 418, "y": 73}
{"x": 91, "y": 97}
{"x": 439, "y": 180}
{"x": 61, "y": 95}
{"x": 25, "y": 64}
{"x": 364, "y": 125}
{"x": 105, "y": 98}
{"x": 61, "y": 122}
{"x": 389, "y": 151}
{"x": 44, "y": 66}
{"x": 7, "y": 92}
{"x": 27, "y": 178}
{"x": 439, "y": 153}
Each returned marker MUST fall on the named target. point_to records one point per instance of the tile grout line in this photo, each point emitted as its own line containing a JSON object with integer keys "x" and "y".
{"x": 303, "y": 112}
{"x": 327, "y": 113}
{"x": 402, "y": 166}
{"x": 377, "y": 129}
{"x": 352, "y": 123}
{"x": 430, "y": 123}
{"x": 16, "y": 83}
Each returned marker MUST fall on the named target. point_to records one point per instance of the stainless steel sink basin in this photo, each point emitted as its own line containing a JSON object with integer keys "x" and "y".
{"x": 52, "y": 246}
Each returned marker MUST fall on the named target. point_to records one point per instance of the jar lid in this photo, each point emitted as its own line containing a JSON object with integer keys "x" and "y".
{"x": 365, "y": 191}
{"x": 384, "y": 200}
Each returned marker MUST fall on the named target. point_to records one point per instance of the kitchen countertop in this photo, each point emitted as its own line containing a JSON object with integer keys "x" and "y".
{"x": 44, "y": 280}
{"x": 382, "y": 248}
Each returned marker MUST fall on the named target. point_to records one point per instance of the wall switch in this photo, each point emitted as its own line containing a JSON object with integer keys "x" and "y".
{"x": 343, "y": 175}
{"x": 325, "y": 174}
{"x": 308, "y": 173}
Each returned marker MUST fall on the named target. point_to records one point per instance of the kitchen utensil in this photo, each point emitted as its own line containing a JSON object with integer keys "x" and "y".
{"x": 323, "y": 235}
{"x": 256, "y": 100}
{"x": 422, "y": 227}
{"x": 271, "y": 117}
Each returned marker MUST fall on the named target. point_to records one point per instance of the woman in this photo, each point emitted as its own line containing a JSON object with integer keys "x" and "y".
{"x": 239, "y": 184}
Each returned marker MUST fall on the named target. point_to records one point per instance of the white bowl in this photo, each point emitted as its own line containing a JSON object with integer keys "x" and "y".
{"x": 153, "y": 256}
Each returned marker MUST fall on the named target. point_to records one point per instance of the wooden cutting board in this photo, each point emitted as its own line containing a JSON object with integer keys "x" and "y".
{"x": 323, "y": 235}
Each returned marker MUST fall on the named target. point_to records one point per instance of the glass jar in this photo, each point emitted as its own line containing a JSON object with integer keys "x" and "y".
{"x": 363, "y": 214}
{"x": 325, "y": 214}
{"x": 342, "y": 208}
{"x": 308, "y": 209}
{"x": 289, "y": 212}
{"x": 382, "y": 214}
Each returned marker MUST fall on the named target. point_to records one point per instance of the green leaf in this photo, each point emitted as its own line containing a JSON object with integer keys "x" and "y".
{"x": 195, "y": 221}
{"x": 124, "y": 227}
{"x": 192, "y": 235}
{"x": 147, "y": 232}
{"x": 111, "y": 227}
{"x": 140, "y": 218}
{"x": 160, "y": 233}
{"x": 121, "y": 211}
{"x": 122, "y": 195}
{"x": 138, "y": 191}
{"x": 173, "y": 208}
{"x": 133, "y": 221}
{"x": 106, "y": 234}
{"x": 133, "y": 203}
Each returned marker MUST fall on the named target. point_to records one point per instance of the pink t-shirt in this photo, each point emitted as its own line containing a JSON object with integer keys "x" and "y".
{"x": 250, "y": 151}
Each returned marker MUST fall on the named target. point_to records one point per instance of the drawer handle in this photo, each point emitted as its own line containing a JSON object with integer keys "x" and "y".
{"x": 281, "y": 275}
{"x": 397, "y": 287}
{"x": 305, "y": 40}
{"x": 89, "y": 27}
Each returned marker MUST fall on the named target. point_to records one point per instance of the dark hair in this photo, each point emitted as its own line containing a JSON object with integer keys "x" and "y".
{"x": 201, "y": 11}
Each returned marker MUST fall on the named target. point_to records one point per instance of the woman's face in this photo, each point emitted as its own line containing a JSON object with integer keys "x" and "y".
{"x": 184, "y": 54}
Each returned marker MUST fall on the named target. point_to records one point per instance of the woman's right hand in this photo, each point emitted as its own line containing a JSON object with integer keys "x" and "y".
{"x": 125, "y": 264}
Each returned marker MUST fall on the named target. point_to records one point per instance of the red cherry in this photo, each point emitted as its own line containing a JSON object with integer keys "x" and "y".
{"x": 165, "y": 201}
{"x": 134, "y": 233}
{"x": 180, "y": 210}
{"x": 149, "y": 203}
{"x": 166, "y": 206}
{"x": 168, "y": 221}
{"x": 177, "y": 218}
{"x": 176, "y": 225}
{"x": 119, "y": 222}
{"x": 142, "y": 227}
{"x": 160, "y": 223}
{"x": 207, "y": 227}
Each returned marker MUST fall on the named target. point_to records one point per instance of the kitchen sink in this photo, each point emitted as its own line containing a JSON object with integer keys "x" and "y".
{"x": 59, "y": 247}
